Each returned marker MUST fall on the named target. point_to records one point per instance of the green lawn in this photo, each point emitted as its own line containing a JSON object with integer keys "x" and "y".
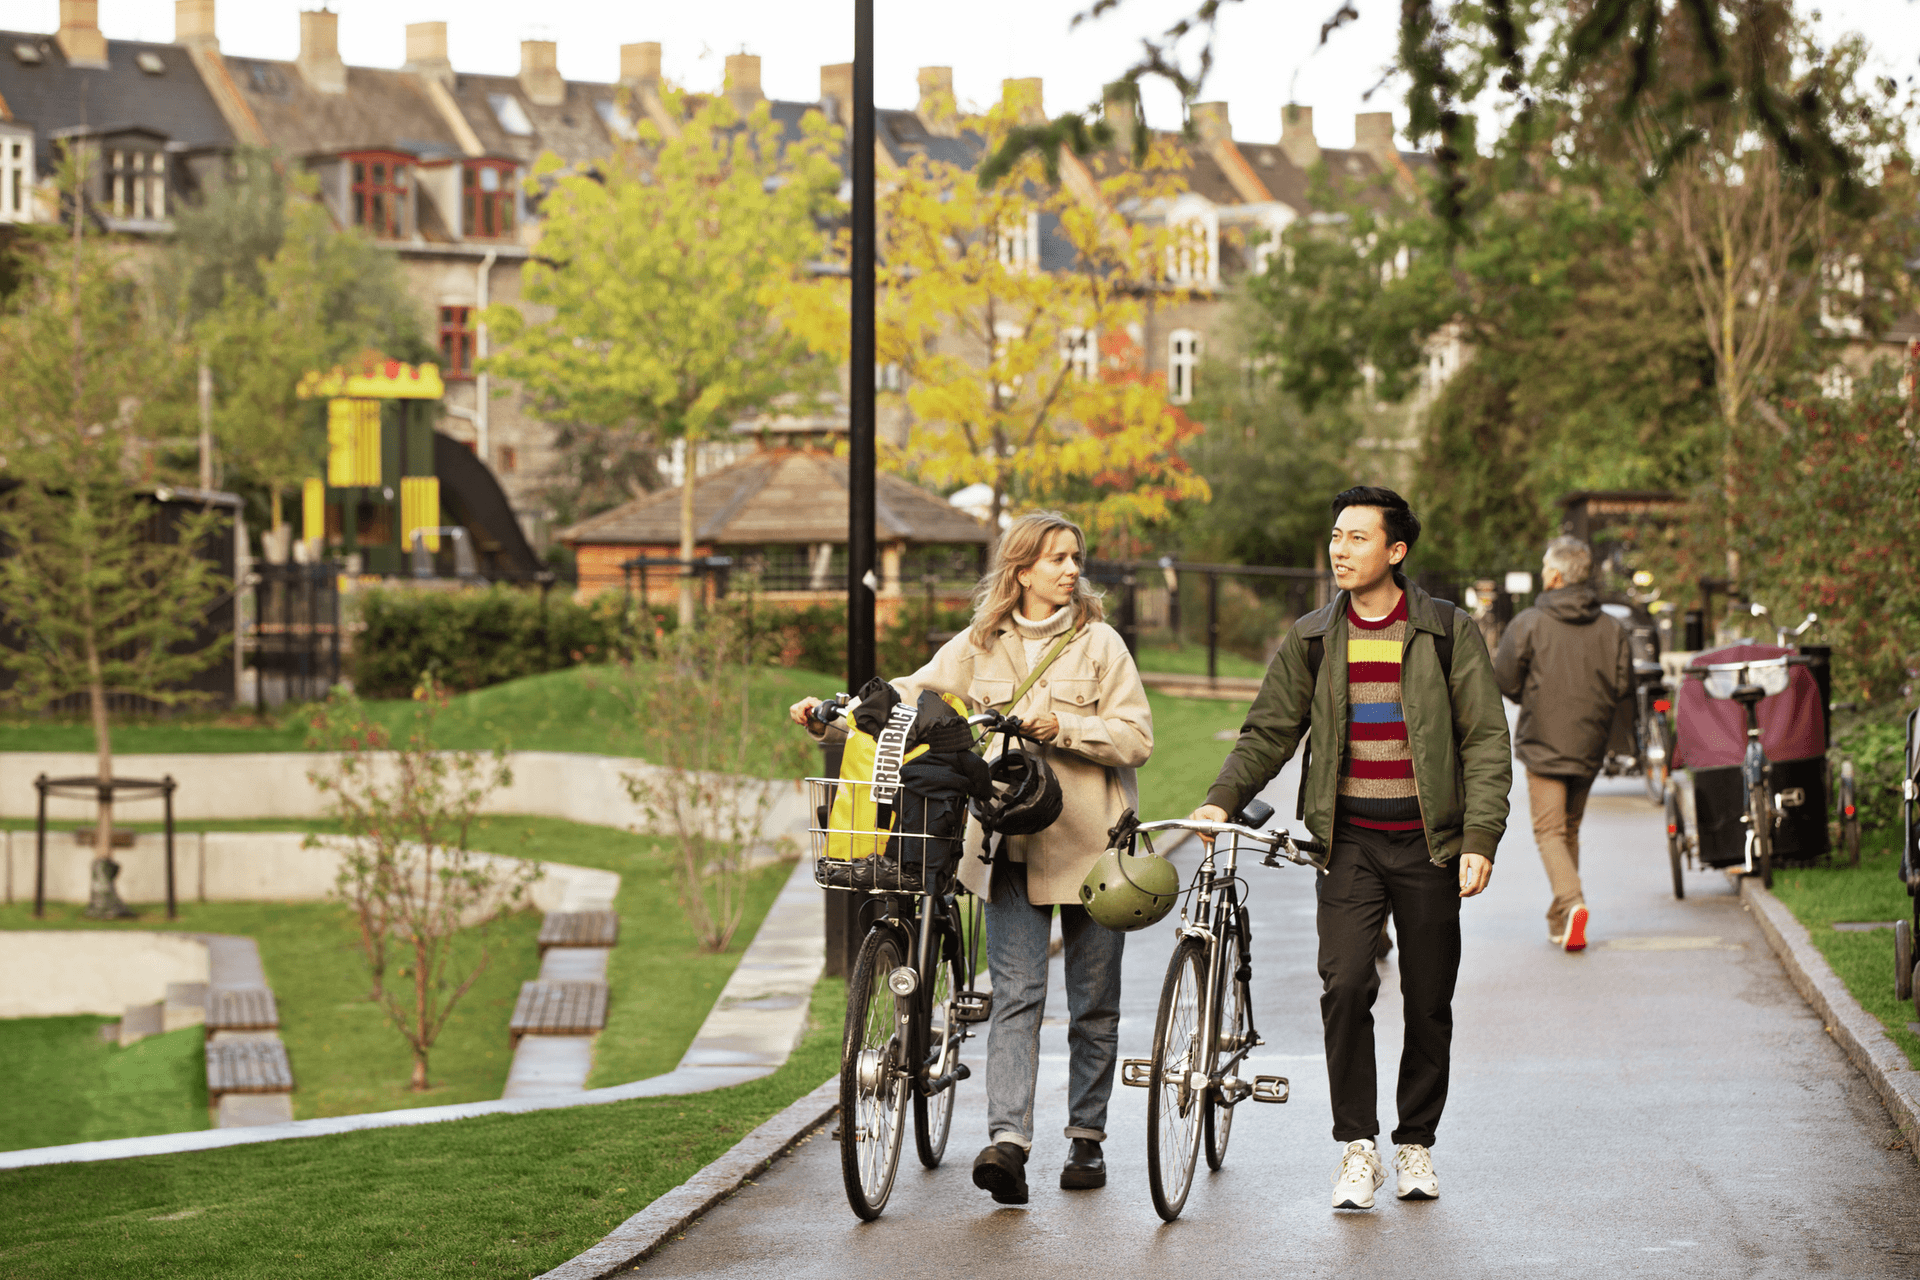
{"x": 65, "y": 1084}
{"x": 1823, "y": 896}
{"x": 571, "y": 710}
{"x": 347, "y": 1059}
{"x": 1186, "y": 754}
{"x": 498, "y": 1196}
{"x": 1191, "y": 660}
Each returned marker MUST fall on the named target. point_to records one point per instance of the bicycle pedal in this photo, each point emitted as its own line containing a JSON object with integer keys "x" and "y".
{"x": 1137, "y": 1072}
{"x": 972, "y": 1006}
{"x": 1271, "y": 1089}
{"x": 960, "y": 1072}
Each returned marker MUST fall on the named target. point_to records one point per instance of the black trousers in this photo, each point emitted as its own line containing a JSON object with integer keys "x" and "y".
{"x": 1369, "y": 874}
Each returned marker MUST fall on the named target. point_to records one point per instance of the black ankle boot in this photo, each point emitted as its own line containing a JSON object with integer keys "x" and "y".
{"x": 1086, "y": 1167}
{"x": 1001, "y": 1171}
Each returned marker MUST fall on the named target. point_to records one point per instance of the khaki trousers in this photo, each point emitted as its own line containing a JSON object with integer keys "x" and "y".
{"x": 1558, "y": 804}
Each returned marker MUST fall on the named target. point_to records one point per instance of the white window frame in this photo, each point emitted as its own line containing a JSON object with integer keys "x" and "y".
{"x": 1836, "y": 383}
{"x": 16, "y": 177}
{"x": 1843, "y": 287}
{"x": 1193, "y": 259}
{"x": 1005, "y": 333}
{"x": 137, "y": 184}
{"x": 1019, "y": 245}
{"x": 1080, "y": 351}
{"x": 1183, "y": 362}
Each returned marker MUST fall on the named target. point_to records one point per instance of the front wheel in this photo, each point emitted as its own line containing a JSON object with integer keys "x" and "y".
{"x": 1174, "y": 1105}
{"x": 1233, "y": 1033}
{"x": 873, "y": 1087}
{"x": 1760, "y": 818}
{"x": 933, "y": 1116}
{"x": 1676, "y": 841}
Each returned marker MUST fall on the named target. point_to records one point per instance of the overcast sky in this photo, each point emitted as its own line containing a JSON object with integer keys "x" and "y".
{"x": 1266, "y": 57}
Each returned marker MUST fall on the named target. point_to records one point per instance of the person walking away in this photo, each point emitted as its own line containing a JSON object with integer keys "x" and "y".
{"x": 1568, "y": 665}
{"x": 1089, "y": 710}
{"x": 1406, "y": 785}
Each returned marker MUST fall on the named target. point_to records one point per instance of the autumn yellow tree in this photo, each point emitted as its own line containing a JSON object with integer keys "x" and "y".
{"x": 1007, "y": 309}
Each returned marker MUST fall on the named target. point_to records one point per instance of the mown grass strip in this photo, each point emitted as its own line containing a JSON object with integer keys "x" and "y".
{"x": 65, "y": 1084}
{"x": 497, "y": 1196}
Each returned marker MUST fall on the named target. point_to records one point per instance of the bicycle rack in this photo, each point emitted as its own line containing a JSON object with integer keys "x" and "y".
{"x": 1271, "y": 1089}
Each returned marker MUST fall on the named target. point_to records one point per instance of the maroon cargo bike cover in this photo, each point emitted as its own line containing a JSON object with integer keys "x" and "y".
{"x": 1712, "y": 733}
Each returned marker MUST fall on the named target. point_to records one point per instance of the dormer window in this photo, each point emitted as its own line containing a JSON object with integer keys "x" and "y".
{"x": 16, "y": 174}
{"x": 137, "y": 184}
{"x": 379, "y": 194}
{"x": 487, "y": 198}
{"x": 511, "y": 115}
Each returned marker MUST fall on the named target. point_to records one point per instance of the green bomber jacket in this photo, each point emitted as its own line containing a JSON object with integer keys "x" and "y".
{"x": 1456, "y": 731}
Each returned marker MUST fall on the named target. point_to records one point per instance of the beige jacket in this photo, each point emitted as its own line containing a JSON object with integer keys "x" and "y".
{"x": 1106, "y": 732}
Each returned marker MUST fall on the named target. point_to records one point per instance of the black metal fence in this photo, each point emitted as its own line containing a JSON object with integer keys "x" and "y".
{"x": 293, "y": 640}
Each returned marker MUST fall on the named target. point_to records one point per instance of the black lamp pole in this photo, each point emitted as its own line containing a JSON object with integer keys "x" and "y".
{"x": 862, "y": 573}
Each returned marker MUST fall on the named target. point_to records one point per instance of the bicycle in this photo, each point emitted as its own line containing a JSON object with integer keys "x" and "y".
{"x": 1747, "y": 683}
{"x": 911, "y": 1002}
{"x": 1204, "y": 1029}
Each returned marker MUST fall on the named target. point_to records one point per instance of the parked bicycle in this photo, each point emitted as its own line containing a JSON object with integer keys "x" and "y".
{"x": 1204, "y": 1029}
{"x": 1905, "y": 931}
{"x": 911, "y": 1002}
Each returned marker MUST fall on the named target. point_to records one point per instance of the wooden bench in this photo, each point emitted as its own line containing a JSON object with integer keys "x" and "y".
{"x": 579, "y": 929}
{"x": 241, "y": 1009}
{"x": 247, "y": 1066}
{"x": 559, "y": 1009}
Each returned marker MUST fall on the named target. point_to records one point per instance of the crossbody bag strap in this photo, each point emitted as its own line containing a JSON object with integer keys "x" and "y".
{"x": 1040, "y": 668}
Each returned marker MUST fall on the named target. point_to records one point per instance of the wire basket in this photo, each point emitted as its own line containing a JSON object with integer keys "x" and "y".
{"x": 870, "y": 837}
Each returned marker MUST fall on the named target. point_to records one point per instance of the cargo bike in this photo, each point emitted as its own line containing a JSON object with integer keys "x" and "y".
{"x": 1753, "y": 731}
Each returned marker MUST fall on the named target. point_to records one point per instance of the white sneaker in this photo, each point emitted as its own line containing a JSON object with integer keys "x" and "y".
{"x": 1358, "y": 1175}
{"x": 1417, "y": 1179}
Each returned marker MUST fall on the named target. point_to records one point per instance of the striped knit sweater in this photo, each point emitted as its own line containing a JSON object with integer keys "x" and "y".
{"x": 1376, "y": 778}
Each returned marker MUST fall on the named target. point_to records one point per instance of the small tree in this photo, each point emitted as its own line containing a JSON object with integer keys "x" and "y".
{"x": 406, "y": 872}
{"x": 711, "y": 746}
{"x": 106, "y": 599}
{"x": 660, "y": 271}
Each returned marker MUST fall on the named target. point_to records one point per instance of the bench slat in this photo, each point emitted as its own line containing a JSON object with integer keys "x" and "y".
{"x": 248, "y": 1066}
{"x": 559, "y": 1008}
{"x": 579, "y": 929}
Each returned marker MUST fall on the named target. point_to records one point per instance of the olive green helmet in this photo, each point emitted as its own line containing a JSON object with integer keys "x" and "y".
{"x": 1128, "y": 891}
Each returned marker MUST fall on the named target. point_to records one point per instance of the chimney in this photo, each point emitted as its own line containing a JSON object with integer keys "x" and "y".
{"x": 319, "y": 60}
{"x": 836, "y": 92}
{"x": 938, "y": 111}
{"x": 193, "y": 24}
{"x": 1023, "y": 97}
{"x": 1296, "y": 135}
{"x": 427, "y": 51}
{"x": 1118, "y": 112}
{"x": 79, "y": 36}
{"x": 743, "y": 82}
{"x": 540, "y": 73}
{"x": 1373, "y": 136}
{"x": 1211, "y": 122}
{"x": 640, "y": 63}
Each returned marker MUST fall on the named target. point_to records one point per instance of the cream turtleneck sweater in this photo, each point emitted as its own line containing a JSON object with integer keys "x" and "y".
{"x": 1039, "y": 636}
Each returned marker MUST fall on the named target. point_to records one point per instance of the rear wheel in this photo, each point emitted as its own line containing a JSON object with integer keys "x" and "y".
{"x": 1174, "y": 1106}
{"x": 1235, "y": 1033}
{"x": 1902, "y": 960}
{"x": 873, "y": 1088}
{"x": 1653, "y": 757}
{"x": 933, "y": 1116}
{"x": 1760, "y": 820}
{"x": 1676, "y": 841}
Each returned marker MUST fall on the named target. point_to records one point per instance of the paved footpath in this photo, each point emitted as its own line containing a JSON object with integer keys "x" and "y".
{"x": 1663, "y": 1105}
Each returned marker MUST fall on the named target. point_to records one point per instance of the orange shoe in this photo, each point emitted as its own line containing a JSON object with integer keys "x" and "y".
{"x": 1575, "y": 938}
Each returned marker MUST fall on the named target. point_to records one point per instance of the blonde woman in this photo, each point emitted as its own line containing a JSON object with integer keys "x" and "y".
{"x": 1089, "y": 712}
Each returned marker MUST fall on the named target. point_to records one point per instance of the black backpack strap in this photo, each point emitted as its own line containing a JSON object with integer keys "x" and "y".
{"x": 1443, "y": 644}
{"x": 1316, "y": 654}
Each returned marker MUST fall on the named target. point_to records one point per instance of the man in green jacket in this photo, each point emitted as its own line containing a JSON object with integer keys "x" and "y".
{"x": 1406, "y": 785}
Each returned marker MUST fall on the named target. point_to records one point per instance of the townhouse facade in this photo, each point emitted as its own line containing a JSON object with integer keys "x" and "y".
{"x": 431, "y": 162}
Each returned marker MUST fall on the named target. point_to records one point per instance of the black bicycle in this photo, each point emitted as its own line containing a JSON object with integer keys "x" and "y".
{"x": 1204, "y": 1029}
{"x": 911, "y": 1001}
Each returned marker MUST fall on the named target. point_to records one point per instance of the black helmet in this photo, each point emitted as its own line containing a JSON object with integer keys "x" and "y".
{"x": 1026, "y": 796}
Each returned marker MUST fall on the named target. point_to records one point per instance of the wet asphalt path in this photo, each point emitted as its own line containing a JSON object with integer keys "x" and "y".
{"x": 1663, "y": 1105}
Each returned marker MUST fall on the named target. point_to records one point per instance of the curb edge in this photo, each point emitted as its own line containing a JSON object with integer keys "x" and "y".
{"x": 1858, "y": 1033}
{"x": 639, "y": 1236}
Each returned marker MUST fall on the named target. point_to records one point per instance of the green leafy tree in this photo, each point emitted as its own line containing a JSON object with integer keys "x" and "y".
{"x": 102, "y": 603}
{"x": 655, "y": 304}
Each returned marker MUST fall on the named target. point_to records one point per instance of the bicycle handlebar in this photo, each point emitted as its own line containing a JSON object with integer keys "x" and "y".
{"x": 1280, "y": 842}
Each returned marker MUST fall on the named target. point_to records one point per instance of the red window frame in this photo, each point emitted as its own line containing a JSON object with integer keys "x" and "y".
{"x": 379, "y": 187}
{"x": 456, "y": 342}
{"x": 488, "y": 215}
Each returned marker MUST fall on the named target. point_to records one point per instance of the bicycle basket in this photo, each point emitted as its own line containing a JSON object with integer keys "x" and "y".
{"x": 878, "y": 838}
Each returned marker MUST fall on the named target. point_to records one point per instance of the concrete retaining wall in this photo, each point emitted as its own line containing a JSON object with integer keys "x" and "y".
{"x": 246, "y": 866}
{"x": 54, "y": 973}
{"x": 554, "y": 784}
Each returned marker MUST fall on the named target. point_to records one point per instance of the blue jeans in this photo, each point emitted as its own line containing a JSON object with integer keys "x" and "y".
{"x": 1017, "y": 935}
